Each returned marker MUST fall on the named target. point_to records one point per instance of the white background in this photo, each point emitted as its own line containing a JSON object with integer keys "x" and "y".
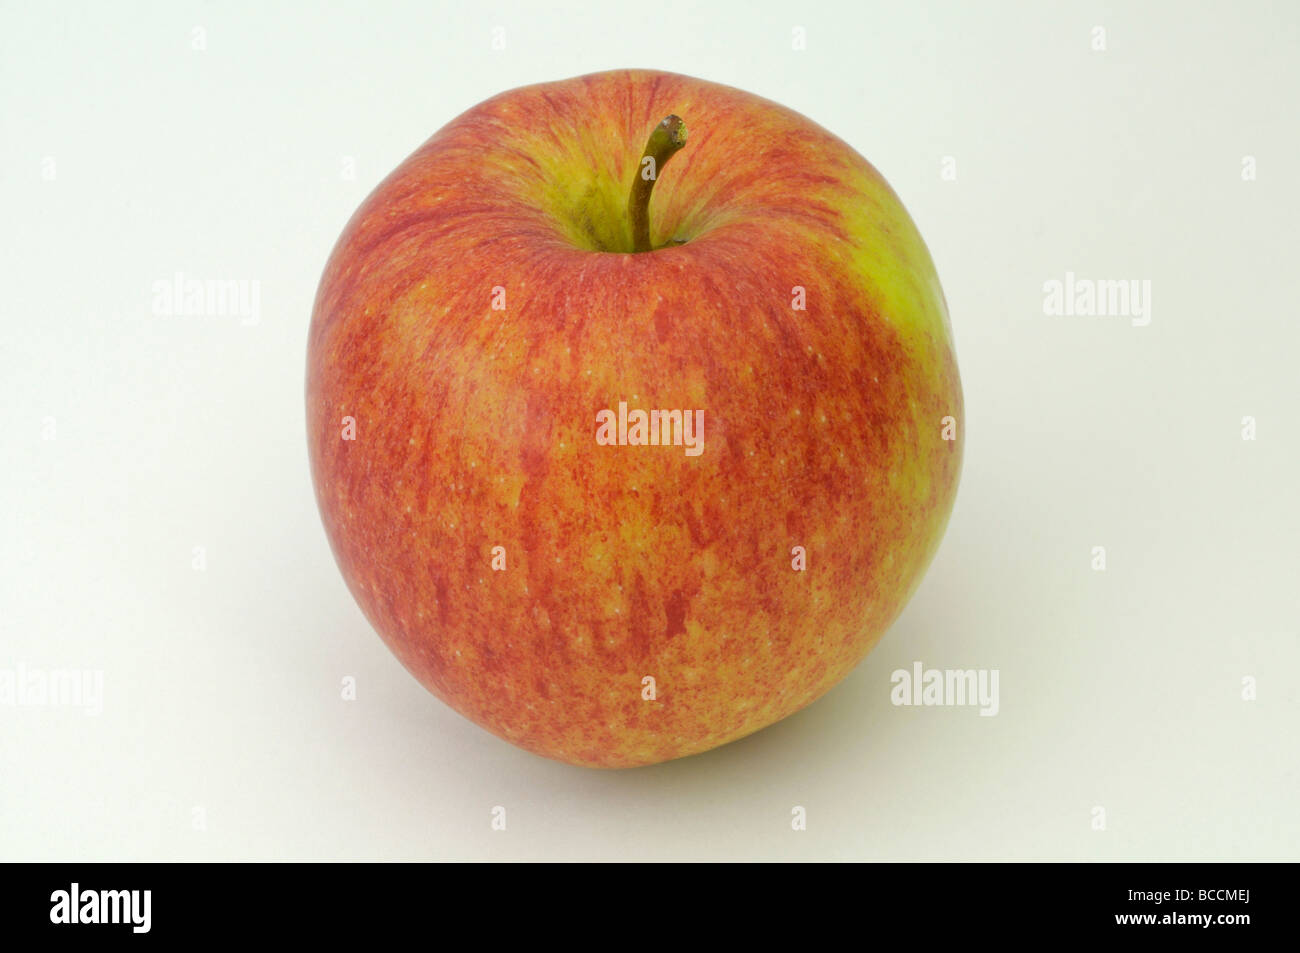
{"x": 1120, "y": 689}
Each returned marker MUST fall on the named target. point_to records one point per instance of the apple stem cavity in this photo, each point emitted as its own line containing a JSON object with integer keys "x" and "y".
{"x": 668, "y": 137}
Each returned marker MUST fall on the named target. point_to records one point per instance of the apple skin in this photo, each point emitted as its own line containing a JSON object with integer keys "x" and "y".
{"x": 475, "y": 427}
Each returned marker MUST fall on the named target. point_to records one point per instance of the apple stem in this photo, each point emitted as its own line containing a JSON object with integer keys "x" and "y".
{"x": 667, "y": 138}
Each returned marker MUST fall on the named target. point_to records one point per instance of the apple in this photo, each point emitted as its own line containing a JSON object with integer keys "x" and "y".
{"x": 626, "y": 458}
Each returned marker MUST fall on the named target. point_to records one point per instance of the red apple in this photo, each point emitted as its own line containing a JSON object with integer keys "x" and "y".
{"x": 489, "y": 340}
